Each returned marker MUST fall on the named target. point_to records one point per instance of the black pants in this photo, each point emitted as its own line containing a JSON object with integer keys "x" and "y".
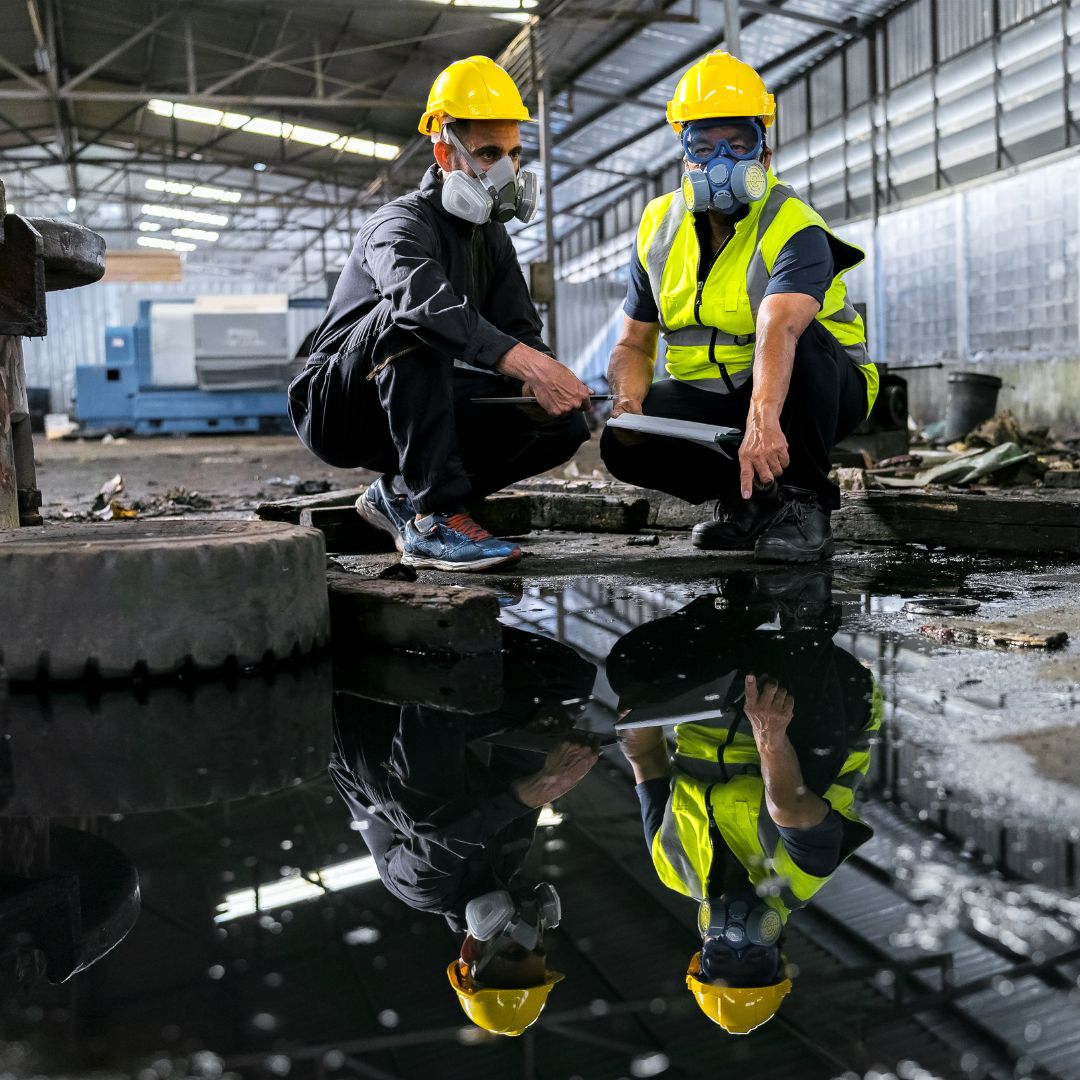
{"x": 826, "y": 401}
{"x": 415, "y": 419}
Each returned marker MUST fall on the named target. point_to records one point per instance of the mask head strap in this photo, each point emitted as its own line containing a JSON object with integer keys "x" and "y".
{"x": 478, "y": 173}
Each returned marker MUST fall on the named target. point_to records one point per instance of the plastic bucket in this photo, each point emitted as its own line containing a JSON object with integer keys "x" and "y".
{"x": 972, "y": 399}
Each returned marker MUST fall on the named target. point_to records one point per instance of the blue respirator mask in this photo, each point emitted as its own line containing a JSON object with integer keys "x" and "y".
{"x": 731, "y": 176}
{"x": 500, "y": 194}
{"x": 741, "y": 937}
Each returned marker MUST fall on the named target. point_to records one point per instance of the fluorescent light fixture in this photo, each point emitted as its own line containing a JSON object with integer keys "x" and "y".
{"x": 149, "y": 226}
{"x": 525, "y": 5}
{"x": 196, "y": 191}
{"x": 177, "y": 213}
{"x": 277, "y": 129}
{"x": 294, "y": 890}
{"x": 165, "y": 245}
{"x": 196, "y": 234}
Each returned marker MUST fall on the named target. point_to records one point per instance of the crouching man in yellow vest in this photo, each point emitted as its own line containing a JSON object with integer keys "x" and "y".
{"x": 755, "y": 811}
{"x": 745, "y": 282}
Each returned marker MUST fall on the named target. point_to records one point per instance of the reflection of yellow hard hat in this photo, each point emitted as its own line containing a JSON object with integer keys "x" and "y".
{"x": 720, "y": 85}
{"x": 737, "y": 1009}
{"x": 472, "y": 89}
{"x": 504, "y": 1012}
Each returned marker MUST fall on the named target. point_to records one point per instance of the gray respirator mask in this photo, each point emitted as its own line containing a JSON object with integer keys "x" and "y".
{"x": 500, "y": 194}
{"x": 522, "y": 919}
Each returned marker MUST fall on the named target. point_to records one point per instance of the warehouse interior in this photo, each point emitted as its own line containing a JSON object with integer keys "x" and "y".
{"x": 183, "y": 892}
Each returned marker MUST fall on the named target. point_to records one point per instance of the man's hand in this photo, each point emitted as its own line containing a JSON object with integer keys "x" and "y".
{"x": 769, "y": 708}
{"x": 564, "y": 767}
{"x": 763, "y": 454}
{"x": 626, "y": 405}
{"x": 557, "y": 389}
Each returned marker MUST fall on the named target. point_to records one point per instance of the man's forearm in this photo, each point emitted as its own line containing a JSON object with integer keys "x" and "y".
{"x": 789, "y": 802}
{"x": 630, "y": 373}
{"x": 774, "y": 358}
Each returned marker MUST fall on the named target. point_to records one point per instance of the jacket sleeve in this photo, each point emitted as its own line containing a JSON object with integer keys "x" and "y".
{"x": 517, "y": 314}
{"x": 401, "y": 260}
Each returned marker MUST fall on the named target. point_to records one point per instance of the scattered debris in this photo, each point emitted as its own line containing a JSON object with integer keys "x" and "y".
{"x": 944, "y": 605}
{"x": 647, "y": 540}
{"x": 397, "y": 572}
{"x": 311, "y": 487}
{"x": 851, "y": 479}
{"x": 115, "y": 511}
{"x": 283, "y": 481}
{"x": 180, "y": 497}
{"x": 994, "y": 633}
{"x": 105, "y": 495}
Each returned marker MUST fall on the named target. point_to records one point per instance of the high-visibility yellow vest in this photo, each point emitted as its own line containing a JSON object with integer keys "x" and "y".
{"x": 709, "y": 330}
{"x": 703, "y": 802}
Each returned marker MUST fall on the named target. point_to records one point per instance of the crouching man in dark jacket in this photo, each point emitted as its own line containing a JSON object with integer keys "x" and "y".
{"x": 431, "y": 311}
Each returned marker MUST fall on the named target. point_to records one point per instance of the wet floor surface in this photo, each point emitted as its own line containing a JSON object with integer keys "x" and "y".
{"x": 902, "y": 813}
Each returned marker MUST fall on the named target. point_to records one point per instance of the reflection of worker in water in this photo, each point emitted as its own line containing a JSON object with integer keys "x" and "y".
{"x": 450, "y": 832}
{"x": 755, "y": 810}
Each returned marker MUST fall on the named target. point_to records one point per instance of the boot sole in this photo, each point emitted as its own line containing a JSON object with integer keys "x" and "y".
{"x": 422, "y": 562}
{"x": 746, "y": 546}
{"x": 379, "y": 521}
{"x": 778, "y": 554}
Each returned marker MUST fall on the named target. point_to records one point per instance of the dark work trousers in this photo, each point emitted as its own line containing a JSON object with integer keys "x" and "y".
{"x": 826, "y": 401}
{"x": 414, "y": 418}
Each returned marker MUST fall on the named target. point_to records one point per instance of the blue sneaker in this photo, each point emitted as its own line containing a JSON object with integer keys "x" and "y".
{"x": 380, "y": 507}
{"x": 456, "y": 542}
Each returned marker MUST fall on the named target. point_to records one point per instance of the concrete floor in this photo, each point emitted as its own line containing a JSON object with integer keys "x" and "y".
{"x": 1003, "y": 724}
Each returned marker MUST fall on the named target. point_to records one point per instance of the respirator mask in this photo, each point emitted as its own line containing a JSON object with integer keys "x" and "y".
{"x": 740, "y": 940}
{"x": 499, "y": 194}
{"x": 729, "y": 177}
{"x": 521, "y": 919}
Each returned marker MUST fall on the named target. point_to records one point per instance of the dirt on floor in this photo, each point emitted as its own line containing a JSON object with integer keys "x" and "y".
{"x": 232, "y": 472}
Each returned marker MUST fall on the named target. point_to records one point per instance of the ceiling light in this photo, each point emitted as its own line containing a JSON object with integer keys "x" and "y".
{"x": 165, "y": 245}
{"x": 280, "y": 129}
{"x": 149, "y": 226}
{"x": 196, "y": 234}
{"x": 196, "y": 191}
{"x": 177, "y": 213}
{"x": 293, "y": 890}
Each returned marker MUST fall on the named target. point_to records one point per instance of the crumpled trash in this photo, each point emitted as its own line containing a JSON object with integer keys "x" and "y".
{"x": 104, "y": 497}
{"x": 311, "y": 487}
{"x": 967, "y": 467}
{"x": 648, "y": 540}
{"x": 115, "y": 511}
{"x": 397, "y": 572}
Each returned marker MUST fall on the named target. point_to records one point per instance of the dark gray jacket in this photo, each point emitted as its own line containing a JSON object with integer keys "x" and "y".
{"x": 457, "y": 286}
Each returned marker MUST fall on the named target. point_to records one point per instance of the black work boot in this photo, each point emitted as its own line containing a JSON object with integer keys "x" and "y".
{"x": 735, "y": 527}
{"x": 798, "y": 533}
{"x": 802, "y": 595}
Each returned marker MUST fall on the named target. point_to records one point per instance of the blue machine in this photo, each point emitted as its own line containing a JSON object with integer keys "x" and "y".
{"x": 194, "y": 366}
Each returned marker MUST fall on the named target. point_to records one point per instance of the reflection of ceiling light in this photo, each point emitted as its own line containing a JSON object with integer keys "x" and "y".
{"x": 549, "y": 817}
{"x": 293, "y": 890}
{"x": 274, "y": 129}
{"x": 196, "y": 234}
{"x": 520, "y": 16}
{"x": 196, "y": 191}
{"x": 176, "y": 213}
{"x": 148, "y": 226}
{"x": 165, "y": 245}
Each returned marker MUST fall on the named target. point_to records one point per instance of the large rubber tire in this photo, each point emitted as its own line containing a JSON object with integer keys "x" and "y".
{"x": 66, "y": 755}
{"x": 74, "y": 255}
{"x": 123, "y": 598}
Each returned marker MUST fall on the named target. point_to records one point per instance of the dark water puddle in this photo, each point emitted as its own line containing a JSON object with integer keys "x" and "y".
{"x": 750, "y": 834}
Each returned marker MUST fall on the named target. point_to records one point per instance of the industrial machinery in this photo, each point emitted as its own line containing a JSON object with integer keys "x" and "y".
{"x": 214, "y": 363}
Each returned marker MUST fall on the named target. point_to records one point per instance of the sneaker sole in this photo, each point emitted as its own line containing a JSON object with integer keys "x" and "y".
{"x": 791, "y": 555}
{"x": 422, "y": 562}
{"x": 379, "y": 521}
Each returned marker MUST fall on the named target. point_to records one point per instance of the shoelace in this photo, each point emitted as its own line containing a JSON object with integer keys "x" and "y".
{"x": 465, "y": 525}
{"x": 795, "y": 510}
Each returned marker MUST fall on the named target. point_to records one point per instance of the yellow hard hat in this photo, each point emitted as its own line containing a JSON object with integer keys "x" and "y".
{"x": 504, "y": 1012}
{"x": 737, "y": 1009}
{"x": 720, "y": 85}
{"x": 472, "y": 89}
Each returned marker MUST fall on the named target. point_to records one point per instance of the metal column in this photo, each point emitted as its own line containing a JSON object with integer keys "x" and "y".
{"x": 732, "y": 22}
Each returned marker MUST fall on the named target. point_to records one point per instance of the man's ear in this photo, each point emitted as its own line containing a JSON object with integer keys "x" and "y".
{"x": 766, "y": 157}
{"x": 471, "y": 949}
{"x": 444, "y": 156}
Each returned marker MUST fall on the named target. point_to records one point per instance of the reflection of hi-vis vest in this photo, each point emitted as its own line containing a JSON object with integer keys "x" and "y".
{"x": 704, "y": 807}
{"x": 709, "y": 329}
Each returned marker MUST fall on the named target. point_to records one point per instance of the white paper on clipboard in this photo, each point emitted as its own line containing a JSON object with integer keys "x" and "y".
{"x": 709, "y": 435}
